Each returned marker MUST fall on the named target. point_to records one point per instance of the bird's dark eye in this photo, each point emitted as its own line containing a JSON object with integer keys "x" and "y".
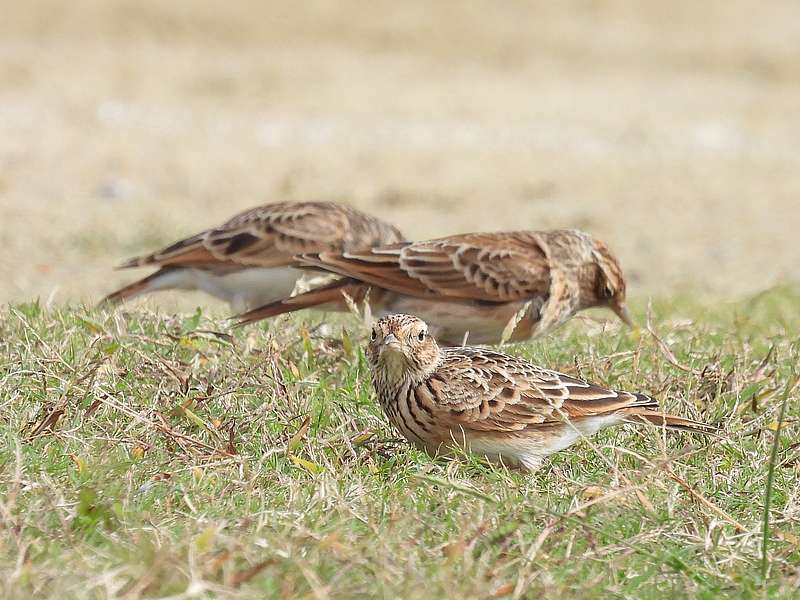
{"x": 374, "y": 335}
{"x": 421, "y": 336}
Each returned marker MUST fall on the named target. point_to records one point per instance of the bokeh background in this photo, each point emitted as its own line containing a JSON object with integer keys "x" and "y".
{"x": 670, "y": 129}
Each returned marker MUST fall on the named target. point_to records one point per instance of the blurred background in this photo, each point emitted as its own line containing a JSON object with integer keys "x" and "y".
{"x": 670, "y": 129}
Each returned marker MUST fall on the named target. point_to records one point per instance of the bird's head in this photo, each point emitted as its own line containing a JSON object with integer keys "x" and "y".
{"x": 401, "y": 347}
{"x": 609, "y": 282}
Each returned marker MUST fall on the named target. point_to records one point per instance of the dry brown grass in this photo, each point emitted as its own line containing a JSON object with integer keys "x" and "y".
{"x": 670, "y": 129}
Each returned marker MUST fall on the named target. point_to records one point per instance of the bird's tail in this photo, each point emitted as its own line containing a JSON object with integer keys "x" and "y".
{"x": 147, "y": 284}
{"x": 330, "y": 297}
{"x": 648, "y": 416}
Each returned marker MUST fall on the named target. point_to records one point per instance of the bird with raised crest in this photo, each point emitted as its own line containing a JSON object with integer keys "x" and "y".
{"x": 471, "y": 285}
{"x": 247, "y": 261}
{"x": 489, "y": 403}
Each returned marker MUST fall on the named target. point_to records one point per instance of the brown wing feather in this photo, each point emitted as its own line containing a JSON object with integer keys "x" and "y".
{"x": 186, "y": 252}
{"x": 489, "y": 391}
{"x": 499, "y": 267}
{"x": 270, "y": 236}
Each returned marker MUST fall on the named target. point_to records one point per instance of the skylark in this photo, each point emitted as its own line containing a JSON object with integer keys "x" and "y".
{"x": 492, "y": 404}
{"x": 472, "y": 284}
{"x": 248, "y": 260}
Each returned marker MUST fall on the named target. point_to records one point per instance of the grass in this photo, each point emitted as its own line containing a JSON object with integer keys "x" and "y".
{"x": 148, "y": 455}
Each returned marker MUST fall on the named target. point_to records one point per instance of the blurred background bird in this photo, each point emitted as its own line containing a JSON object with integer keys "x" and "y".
{"x": 248, "y": 260}
{"x": 493, "y": 117}
{"x": 472, "y": 286}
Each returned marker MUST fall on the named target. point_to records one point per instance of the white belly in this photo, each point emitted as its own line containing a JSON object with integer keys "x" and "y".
{"x": 531, "y": 451}
{"x": 245, "y": 289}
{"x": 450, "y": 321}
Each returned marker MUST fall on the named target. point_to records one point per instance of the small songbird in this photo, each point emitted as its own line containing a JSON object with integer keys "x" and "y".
{"x": 492, "y": 404}
{"x": 248, "y": 260}
{"x": 472, "y": 285}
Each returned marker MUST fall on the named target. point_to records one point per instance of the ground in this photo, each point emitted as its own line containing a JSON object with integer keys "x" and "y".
{"x": 153, "y": 452}
{"x": 147, "y": 455}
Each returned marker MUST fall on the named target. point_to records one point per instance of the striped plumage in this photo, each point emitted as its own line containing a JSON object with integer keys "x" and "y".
{"x": 473, "y": 283}
{"x": 490, "y": 403}
{"x": 247, "y": 261}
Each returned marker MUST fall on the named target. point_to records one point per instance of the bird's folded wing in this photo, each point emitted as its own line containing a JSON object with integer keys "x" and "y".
{"x": 483, "y": 390}
{"x": 488, "y": 267}
{"x": 266, "y": 236}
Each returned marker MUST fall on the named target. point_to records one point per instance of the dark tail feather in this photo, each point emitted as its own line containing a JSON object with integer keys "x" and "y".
{"x": 645, "y": 416}
{"x": 142, "y": 286}
{"x": 330, "y": 296}
{"x": 136, "y": 261}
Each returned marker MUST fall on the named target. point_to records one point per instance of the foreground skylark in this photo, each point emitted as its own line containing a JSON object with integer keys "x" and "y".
{"x": 475, "y": 283}
{"x": 503, "y": 408}
{"x": 248, "y": 260}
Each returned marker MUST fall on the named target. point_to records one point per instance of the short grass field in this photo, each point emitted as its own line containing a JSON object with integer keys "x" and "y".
{"x": 150, "y": 455}
{"x": 154, "y": 452}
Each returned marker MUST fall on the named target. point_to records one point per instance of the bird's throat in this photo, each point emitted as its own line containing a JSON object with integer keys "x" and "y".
{"x": 395, "y": 366}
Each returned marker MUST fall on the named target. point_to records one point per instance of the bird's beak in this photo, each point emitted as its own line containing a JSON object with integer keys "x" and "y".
{"x": 390, "y": 342}
{"x": 623, "y": 313}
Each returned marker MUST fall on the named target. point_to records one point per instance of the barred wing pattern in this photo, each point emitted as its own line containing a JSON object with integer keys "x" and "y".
{"x": 489, "y": 391}
{"x": 490, "y": 267}
{"x": 270, "y": 236}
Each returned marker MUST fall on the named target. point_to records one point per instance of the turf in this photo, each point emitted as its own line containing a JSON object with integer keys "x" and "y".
{"x": 151, "y": 455}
